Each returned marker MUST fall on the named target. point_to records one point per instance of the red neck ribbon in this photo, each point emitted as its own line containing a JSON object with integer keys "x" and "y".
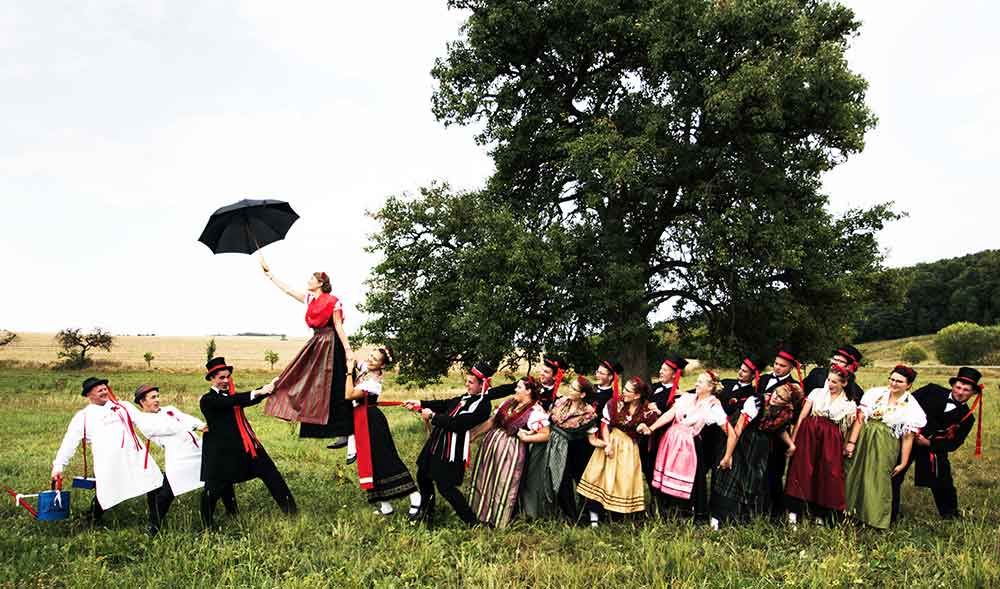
{"x": 676, "y": 383}
{"x": 555, "y": 386}
{"x": 246, "y": 433}
{"x": 979, "y": 421}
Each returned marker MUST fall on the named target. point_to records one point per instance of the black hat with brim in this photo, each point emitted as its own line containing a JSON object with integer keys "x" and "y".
{"x": 141, "y": 391}
{"x": 967, "y": 375}
{"x": 555, "y": 363}
{"x": 613, "y": 365}
{"x": 482, "y": 370}
{"x": 676, "y": 362}
{"x": 850, "y": 352}
{"x": 90, "y": 383}
{"x": 214, "y": 365}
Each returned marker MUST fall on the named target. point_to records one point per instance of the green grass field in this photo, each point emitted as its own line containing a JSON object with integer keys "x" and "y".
{"x": 337, "y": 542}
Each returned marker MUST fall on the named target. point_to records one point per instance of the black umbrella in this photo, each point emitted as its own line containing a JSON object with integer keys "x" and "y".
{"x": 248, "y": 225}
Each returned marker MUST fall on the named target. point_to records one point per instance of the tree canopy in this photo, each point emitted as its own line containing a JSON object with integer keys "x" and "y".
{"x": 653, "y": 157}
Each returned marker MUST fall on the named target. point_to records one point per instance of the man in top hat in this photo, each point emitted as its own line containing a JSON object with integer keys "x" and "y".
{"x": 445, "y": 456}
{"x": 604, "y": 378}
{"x": 231, "y": 452}
{"x": 174, "y": 431}
{"x": 846, "y": 356}
{"x": 550, "y": 376}
{"x": 122, "y": 464}
{"x": 949, "y": 421}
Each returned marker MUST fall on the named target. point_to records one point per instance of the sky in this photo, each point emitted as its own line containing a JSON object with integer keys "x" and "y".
{"x": 126, "y": 123}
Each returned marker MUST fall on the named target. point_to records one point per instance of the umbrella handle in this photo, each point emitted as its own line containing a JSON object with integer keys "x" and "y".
{"x": 263, "y": 264}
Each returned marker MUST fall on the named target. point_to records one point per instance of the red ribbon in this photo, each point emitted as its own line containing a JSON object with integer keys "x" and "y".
{"x": 363, "y": 445}
{"x": 615, "y": 395}
{"x": 555, "y": 387}
{"x": 246, "y": 434}
{"x": 979, "y": 421}
{"x": 673, "y": 388}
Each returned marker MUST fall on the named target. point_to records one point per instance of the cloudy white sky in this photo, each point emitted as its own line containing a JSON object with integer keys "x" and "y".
{"x": 126, "y": 123}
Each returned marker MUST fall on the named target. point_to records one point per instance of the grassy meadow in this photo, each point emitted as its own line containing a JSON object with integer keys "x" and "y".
{"x": 336, "y": 541}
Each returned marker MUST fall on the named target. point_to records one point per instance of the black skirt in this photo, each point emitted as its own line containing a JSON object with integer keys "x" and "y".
{"x": 341, "y": 422}
{"x": 390, "y": 477}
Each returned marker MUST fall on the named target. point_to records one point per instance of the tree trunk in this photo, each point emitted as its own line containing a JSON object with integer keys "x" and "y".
{"x": 634, "y": 357}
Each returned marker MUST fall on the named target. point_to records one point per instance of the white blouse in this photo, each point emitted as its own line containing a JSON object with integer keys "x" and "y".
{"x": 905, "y": 416}
{"x": 836, "y": 410}
{"x": 688, "y": 411}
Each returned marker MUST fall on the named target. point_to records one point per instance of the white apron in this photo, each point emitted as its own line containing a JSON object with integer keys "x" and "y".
{"x": 172, "y": 430}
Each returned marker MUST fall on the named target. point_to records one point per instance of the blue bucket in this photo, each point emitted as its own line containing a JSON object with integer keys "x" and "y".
{"x": 53, "y": 505}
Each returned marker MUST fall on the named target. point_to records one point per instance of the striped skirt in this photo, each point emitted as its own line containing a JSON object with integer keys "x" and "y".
{"x": 496, "y": 477}
{"x": 616, "y": 481}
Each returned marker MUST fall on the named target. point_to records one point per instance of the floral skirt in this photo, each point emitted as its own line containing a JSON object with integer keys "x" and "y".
{"x": 616, "y": 481}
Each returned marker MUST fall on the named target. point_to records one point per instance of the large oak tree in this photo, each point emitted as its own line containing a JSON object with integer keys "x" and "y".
{"x": 653, "y": 157}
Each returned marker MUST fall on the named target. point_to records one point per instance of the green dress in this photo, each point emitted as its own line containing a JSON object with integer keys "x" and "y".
{"x": 869, "y": 475}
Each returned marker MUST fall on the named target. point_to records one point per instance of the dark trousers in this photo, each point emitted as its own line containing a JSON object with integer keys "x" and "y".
{"x": 775, "y": 475}
{"x": 450, "y": 493}
{"x": 941, "y": 483}
{"x": 157, "y": 503}
{"x": 263, "y": 470}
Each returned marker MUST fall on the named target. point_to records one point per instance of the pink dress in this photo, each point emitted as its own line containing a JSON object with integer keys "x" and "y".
{"x": 676, "y": 458}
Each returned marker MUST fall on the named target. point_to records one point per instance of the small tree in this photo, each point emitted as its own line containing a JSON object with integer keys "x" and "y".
{"x": 965, "y": 343}
{"x": 148, "y": 357}
{"x": 75, "y": 345}
{"x": 913, "y": 353}
{"x": 210, "y": 350}
{"x": 7, "y": 337}
{"x": 271, "y": 356}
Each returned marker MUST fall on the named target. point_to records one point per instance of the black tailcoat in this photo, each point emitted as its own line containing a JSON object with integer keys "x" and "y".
{"x": 442, "y": 455}
{"x": 946, "y": 431}
{"x": 223, "y": 458}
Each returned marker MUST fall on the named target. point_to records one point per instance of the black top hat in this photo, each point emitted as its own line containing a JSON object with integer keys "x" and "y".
{"x": 676, "y": 362}
{"x": 214, "y": 365}
{"x": 850, "y": 352}
{"x": 482, "y": 370}
{"x": 555, "y": 362}
{"x": 754, "y": 363}
{"x": 141, "y": 391}
{"x": 613, "y": 365}
{"x": 969, "y": 375}
{"x": 788, "y": 352}
{"x": 90, "y": 383}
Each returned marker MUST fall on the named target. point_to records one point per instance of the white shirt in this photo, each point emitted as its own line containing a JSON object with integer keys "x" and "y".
{"x": 173, "y": 430}
{"x": 690, "y": 412}
{"x": 121, "y": 464}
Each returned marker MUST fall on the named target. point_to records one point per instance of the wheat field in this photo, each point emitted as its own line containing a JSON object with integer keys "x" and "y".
{"x": 174, "y": 353}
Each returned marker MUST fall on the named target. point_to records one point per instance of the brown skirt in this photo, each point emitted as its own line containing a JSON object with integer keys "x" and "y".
{"x": 302, "y": 392}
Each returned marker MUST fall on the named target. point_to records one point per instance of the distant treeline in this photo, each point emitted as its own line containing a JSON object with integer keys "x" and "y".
{"x": 938, "y": 294}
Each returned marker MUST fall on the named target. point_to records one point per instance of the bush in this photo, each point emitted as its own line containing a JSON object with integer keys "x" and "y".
{"x": 913, "y": 353}
{"x": 966, "y": 343}
{"x": 210, "y": 350}
{"x": 148, "y": 357}
{"x": 271, "y": 356}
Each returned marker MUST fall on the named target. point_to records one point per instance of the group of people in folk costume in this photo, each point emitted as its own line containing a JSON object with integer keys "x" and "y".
{"x": 582, "y": 450}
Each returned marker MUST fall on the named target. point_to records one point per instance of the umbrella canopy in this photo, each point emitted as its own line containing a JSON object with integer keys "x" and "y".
{"x": 248, "y": 225}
